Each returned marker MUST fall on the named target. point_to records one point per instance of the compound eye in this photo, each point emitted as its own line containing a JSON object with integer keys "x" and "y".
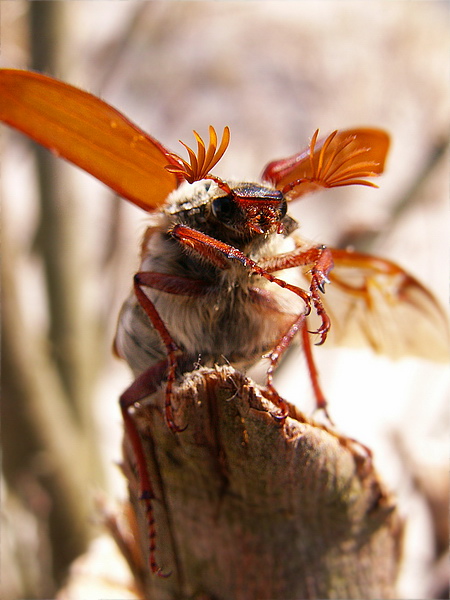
{"x": 283, "y": 209}
{"x": 224, "y": 208}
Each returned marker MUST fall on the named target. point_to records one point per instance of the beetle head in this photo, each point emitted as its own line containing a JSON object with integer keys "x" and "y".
{"x": 249, "y": 208}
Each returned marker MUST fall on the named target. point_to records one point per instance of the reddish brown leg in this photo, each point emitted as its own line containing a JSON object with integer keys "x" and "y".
{"x": 148, "y": 382}
{"x": 321, "y": 258}
{"x": 274, "y": 356}
{"x": 174, "y": 285}
{"x": 321, "y": 401}
{"x": 143, "y": 386}
{"x": 299, "y": 325}
{"x": 218, "y": 253}
{"x": 166, "y": 339}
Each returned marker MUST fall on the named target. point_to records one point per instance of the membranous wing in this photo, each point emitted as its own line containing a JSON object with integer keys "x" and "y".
{"x": 372, "y": 301}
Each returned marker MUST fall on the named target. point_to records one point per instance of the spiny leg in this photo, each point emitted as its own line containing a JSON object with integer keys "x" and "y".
{"x": 148, "y": 382}
{"x": 171, "y": 284}
{"x": 170, "y": 346}
{"x": 321, "y": 259}
{"x": 321, "y": 401}
{"x": 322, "y": 262}
{"x": 274, "y": 357}
{"x": 298, "y": 326}
{"x": 220, "y": 254}
{"x": 143, "y": 386}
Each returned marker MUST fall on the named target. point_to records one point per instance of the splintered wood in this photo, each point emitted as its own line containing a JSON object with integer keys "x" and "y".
{"x": 248, "y": 507}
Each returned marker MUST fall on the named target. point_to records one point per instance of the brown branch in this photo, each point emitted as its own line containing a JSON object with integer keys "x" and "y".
{"x": 39, "y": 438}
{"x": 248, "y": 508}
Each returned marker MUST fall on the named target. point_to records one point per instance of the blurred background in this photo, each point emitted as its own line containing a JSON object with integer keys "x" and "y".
{"x": 273, "y": 72}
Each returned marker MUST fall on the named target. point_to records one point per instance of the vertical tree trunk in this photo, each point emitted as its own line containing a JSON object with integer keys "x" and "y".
{"x": 250, "y": 508}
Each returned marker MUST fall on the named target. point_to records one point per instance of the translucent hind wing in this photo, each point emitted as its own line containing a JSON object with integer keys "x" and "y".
{"x": 372, "y": 301}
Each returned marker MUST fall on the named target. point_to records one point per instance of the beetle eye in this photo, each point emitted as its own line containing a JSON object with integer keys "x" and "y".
{"x": 283, "y": 209}
{"x": 223, "y": 208}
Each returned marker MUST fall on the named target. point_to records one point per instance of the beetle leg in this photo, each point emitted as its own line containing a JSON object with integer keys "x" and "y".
{"x": 171, "y": 347}
{"x": 144, "y": 385}
{"x": 219, "y": 253}
{"x": 322, "y": 262}
{"x": 298, "y": 326}
{"x": 171, "y": 284}
{"x": 274, "y": 357}
{"x": 148, "y": 382}
{"x": 321, "y": 401}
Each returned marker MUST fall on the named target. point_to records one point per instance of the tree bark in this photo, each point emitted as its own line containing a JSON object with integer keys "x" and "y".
{"x": 248, "y": 507}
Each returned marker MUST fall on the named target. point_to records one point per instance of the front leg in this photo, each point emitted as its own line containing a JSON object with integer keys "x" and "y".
{"x": 322, "y": 262}
{"x": 221, "y": 254}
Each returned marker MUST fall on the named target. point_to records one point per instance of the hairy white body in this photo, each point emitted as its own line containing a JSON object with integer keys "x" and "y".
{"x": 238, "y": 318}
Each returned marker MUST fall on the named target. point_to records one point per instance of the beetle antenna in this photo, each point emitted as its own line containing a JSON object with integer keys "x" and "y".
{"x": 201, "y": 163}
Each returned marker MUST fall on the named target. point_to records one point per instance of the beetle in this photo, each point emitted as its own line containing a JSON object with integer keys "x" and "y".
{"x": 224, "y": 276}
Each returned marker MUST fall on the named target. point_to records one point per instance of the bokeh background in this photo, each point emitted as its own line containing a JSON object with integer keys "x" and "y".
{"x": 273, "y": 72}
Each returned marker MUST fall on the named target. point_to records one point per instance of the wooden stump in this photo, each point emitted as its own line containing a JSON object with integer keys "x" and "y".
{"x": 250, "y": 508}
